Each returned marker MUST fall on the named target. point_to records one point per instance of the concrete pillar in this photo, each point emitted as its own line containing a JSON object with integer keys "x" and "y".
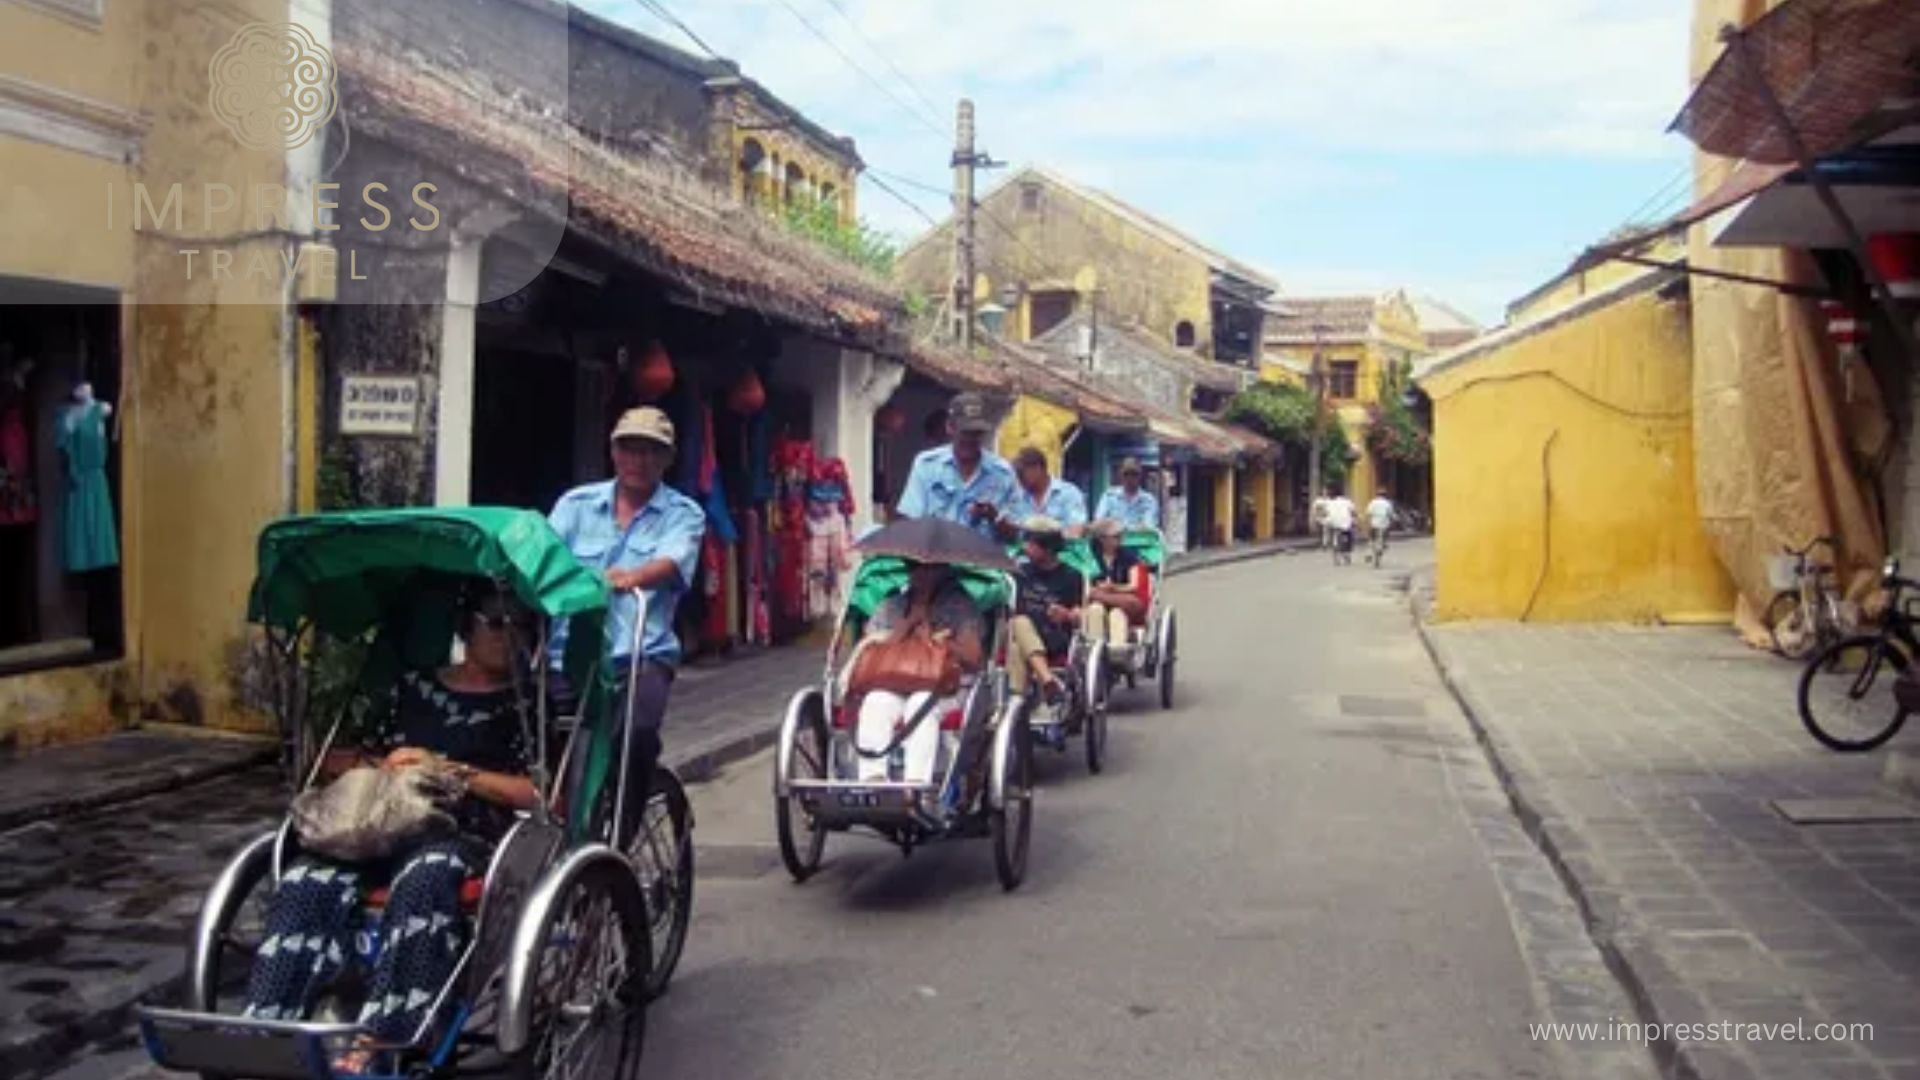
{"x": 849, "y": 387}
{"x": 453, "y": 428}
{"x": 1174, "y": 507}
{"x": 1260, "y": 486}
{"x": 1224, "y": 502}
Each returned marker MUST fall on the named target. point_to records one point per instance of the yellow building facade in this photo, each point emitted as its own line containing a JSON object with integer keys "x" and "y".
{"x": 1564, "y": 461}
{"x": 103, "y": 106}
{"x": 1359, "y": 342}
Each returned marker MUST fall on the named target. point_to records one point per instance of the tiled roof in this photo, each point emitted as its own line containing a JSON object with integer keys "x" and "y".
{"x": 1310, "y": 319}
{"x": 665, "y": 220}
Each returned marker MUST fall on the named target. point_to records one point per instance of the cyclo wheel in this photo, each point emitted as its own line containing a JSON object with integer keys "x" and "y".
{"x": 662, "y": 854}
{"x": 1169, "y": 642}
{"x": 1096, "y": 705}
{"x": 1846, "y": 693}
{"x": 1789, "y": 627}
{"x": 590, "y": 983}
{"x": 1012, "y": 822}
{"x": 230, "y": 929}
{"x": 803, "y": 841}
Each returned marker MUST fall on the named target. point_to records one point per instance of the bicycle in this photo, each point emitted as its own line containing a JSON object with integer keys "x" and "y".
{"x": 1804, "y": 616}
{"x": 1853, "y": 684}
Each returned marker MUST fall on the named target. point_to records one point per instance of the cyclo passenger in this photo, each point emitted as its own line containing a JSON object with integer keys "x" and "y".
{"x": 1052, "y": 596}
{"x": 467, "y": 722}
{"x": 642, "y": 535}
{"x": 1114, "y": 603}
{"x": 934, "y": 604}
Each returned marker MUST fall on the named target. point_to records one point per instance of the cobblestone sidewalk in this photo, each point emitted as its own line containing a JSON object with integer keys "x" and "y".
{"x": 1647, "y": 761}
{"x": 95, "y": 905}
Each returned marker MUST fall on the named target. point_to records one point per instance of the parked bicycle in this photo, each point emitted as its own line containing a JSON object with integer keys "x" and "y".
{"x": 1804, "y": 616}
{"x": 1847, "y": 692}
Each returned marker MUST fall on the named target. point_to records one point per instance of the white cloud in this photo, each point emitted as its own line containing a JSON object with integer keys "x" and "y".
{"x": 1255, "y": 96}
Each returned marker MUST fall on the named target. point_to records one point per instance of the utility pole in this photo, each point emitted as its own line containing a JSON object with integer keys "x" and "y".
{"x": 964, "y": 161}
{"x": 1317, "y": 380}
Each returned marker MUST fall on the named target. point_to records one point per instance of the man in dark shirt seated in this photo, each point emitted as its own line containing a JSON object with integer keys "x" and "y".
{"x": 1052, "y": 596}
{"x": 1114, "y": 604}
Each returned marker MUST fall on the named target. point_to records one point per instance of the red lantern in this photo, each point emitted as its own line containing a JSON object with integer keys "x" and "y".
{"x": 748, "y": 395}
{"x": 891, "y": 420}
{"x": 654, "y": 375}
{"x": 1897, "y": 257}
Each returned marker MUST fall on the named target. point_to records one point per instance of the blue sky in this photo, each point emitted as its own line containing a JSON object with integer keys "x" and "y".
{"x": 1466, "y": 149}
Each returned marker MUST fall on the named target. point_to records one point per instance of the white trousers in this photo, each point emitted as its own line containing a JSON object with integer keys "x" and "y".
{"x": 880, "y": 711}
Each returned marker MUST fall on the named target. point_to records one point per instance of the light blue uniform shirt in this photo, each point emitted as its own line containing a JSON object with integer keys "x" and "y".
{"x": 1137, "y": 511}
{"x": 670, "y": 526}
{"x": 1063, "y": 502}
{"x": 935, "y": 489}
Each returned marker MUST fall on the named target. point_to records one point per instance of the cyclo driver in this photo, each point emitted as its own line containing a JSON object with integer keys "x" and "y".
{"x": 642, "y": 535}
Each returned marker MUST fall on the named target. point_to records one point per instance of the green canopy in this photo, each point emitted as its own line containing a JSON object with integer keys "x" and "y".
{"x": 881, "y": 576}
{"x": 1148, "y": 544}
{"x": 1078, "y": 553}
{"x": 396, "y": 574}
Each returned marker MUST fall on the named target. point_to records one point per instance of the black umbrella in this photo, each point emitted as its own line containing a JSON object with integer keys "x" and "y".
{"x": 931, "y": 540}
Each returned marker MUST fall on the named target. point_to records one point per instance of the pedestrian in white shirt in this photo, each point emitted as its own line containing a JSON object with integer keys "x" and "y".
{"x": 1379, "y": 523}
{"x": 1318, "y": 518}
{"x": 1340, "y": 521}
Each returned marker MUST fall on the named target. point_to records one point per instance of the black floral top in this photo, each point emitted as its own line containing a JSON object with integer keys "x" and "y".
{"x": 482, "y": 730}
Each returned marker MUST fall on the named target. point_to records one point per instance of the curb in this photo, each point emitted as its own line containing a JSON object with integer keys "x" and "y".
{"x": 141, "y": 788}
{"x": 1668, "y": 1054}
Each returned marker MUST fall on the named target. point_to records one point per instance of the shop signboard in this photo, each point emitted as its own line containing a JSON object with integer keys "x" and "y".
{"x": 379, "y": 405}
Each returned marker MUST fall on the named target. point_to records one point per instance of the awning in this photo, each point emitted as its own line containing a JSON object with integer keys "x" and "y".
{"x": 1877, "y": 187}
{"x": 1839, "y": 69}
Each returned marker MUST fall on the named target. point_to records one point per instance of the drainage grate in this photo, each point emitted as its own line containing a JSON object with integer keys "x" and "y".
{"x": 1365, "y": 705}
{"x": 1863, "y": 811}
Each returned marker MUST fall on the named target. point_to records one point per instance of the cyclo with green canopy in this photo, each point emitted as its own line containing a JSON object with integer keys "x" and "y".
{"x": 1081, "y": 711}
{"x": 1153, "y": 648}
{"x": 982, "y": 781}
{"x": 560, "y": 959}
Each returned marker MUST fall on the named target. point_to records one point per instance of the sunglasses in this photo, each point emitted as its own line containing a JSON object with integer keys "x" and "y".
{"x": 500, "y": 621}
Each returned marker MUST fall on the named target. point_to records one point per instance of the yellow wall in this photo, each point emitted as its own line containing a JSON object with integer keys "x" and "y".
{"x": 1600, "y": 406}
{"x": 786, "y": 144}
{"x": 1257, "y": 481}
{"x": 1226, "y": 502}
{"x": 201, "y": 417}
{"x": 1143, "y": 281}
{"x": 1039, "y": 424}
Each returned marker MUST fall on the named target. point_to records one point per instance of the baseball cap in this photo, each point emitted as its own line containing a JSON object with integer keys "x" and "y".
{"x": 1028, "y": 457}
{"x": 1129, "y": 465}
{"x": 1044, "y": 529}
{"x": 647, "y": 423}
{"x": 968, "y": 412}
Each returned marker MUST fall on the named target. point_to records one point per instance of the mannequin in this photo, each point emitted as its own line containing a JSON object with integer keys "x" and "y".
{"x": 90, "y": 541}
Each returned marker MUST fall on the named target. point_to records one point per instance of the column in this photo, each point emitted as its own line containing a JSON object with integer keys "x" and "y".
{"x": 453, "y": 426}
{"x": 857, "y": 383}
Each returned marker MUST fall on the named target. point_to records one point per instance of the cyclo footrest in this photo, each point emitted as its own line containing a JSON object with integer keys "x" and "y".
{"x": 242, "y": 1046}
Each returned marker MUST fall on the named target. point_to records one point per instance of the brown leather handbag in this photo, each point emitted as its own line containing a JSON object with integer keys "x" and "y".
{"x": 906, "y": 665}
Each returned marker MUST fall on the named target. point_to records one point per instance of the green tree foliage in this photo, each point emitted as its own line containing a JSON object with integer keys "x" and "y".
{"x": 1284, "y": 413}
{"x": 818, "y": 221}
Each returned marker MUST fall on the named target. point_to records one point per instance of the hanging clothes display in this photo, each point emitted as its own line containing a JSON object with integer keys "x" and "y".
{"x": 793, "y": 471}
{"x": 713, "y": 573}
{"x": 758, "y": 618}
{"x": 829, "y": 538}
{"x": 89, "y": 541}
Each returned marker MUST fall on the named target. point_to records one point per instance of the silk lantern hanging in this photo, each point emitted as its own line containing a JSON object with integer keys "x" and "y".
{"x": 748, "y": 395}
{"x": 654, "y": 375}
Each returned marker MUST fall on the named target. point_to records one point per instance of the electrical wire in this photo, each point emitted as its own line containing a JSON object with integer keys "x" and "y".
{"x": 665, "y": 14}
{"x": 904, "y": 201}
{"x": 930, "y": 125}
{"x": 884, "y": 58}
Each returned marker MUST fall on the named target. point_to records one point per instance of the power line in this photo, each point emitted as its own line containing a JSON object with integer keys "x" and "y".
{"x": 864, "y": 73}
{"x": 661, "y": 11}
{"x": 912, "y": 183}
{"x": 884, "y": 58}
{"x": 871, "y": 174}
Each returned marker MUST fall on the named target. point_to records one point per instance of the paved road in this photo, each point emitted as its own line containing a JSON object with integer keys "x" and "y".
{"x": 1280, "y": 877}
{"x": 1304, "y": 870}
